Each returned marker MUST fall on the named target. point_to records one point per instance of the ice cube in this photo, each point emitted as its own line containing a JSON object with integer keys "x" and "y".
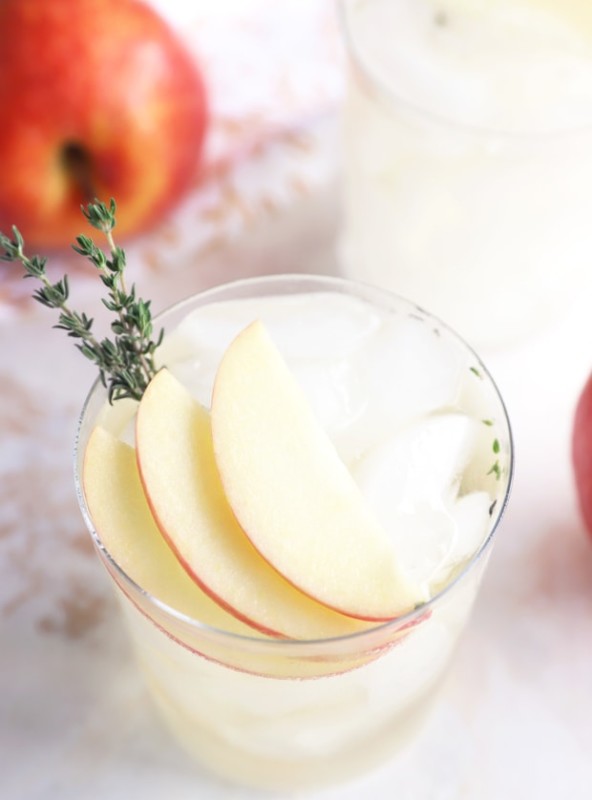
{"x": 333, "y": 390}
{"x": 411, "y": 481}
{"x": 422, "y": 462}
{"x": 487, "y": 468}
{"x": 409, "y": 370}
{"x": 477, "y": 396}
{"x": 198, "y": 378}
{"x": 315, "y": 332}
{"x": 330, "y": 385}
{"x": 119, "y": 418}
{"x": 422, "y": 540}
{"x": 314, "y": 325}
{"x": 471, "y": 515}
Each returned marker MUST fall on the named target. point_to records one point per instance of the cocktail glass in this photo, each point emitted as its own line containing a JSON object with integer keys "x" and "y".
{"x": 467, "y": 135}
{"x": 283, "y": 714}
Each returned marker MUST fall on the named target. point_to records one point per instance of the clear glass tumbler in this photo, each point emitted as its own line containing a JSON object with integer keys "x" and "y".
{"x": 283, "y": 714}
{"x": 467, "y": 150}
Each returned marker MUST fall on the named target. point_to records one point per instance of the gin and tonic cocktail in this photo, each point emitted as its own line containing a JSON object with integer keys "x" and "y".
{"x": 269, "y": 682}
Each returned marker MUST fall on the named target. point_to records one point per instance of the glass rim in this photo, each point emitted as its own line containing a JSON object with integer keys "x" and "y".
{"x": 384, "y": 89}
{"x": 344, "y": 285}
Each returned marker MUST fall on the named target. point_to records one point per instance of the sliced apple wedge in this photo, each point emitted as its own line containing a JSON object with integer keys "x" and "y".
{"x": 126, "y": 528}
{"x": 291, "y": 493}
{"x": 181, "y": 482}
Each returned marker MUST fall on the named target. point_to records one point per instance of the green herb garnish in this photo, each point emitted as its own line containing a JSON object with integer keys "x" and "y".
{"x": 496, "y": 470}
{"x": 125, "y": 362}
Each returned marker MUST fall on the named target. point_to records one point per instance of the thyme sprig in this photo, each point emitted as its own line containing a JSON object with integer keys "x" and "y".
{"x": 125, "y": 362}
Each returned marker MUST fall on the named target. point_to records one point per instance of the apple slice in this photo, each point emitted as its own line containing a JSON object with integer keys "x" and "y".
{"x": 292, "y": 495}
{"x": 181, "y": 482}
{"x": 125, "y": 526}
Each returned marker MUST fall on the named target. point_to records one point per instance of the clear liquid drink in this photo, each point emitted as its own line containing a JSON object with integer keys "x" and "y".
{"x": 417, "y": 420}
{"x": 467, "y": 141}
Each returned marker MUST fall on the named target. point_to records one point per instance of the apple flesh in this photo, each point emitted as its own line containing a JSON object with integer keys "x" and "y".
{"x": 100, "y": 99}
{"x": 290, "y": 492}
{"x": 124, "y": 524}
{"x": 123, "y": 521}
{"x": 181, "y": 483}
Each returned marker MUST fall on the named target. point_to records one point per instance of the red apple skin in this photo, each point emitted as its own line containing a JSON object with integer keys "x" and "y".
{"x": 582, "y": 452}
{"x": 111, "y": 79}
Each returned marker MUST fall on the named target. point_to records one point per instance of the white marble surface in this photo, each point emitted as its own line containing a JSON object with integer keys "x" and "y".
{"x": 515, "y": 719}
{"x": 516, "y": 716}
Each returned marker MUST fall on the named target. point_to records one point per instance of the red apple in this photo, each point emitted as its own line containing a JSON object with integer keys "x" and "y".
{"x": 99, "y": 99}
{"x": 582, "y": 452}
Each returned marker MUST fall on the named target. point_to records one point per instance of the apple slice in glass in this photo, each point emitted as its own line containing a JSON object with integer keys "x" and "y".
{"x": 293, "y": 496}
{"x": 120, "y": 514}
{"x": 182, "y": 485}
{"x": 123, "y": 521}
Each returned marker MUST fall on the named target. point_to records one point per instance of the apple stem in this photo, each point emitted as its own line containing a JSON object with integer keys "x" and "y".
{"x": 77, "y": 163}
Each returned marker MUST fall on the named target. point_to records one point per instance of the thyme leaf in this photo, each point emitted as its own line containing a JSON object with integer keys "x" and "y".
{"x": 125, "y": 361}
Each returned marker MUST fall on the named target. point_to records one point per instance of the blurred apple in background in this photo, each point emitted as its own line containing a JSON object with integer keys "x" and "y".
{"x": 582, "y": 452}
{"x": 99, "y": 98}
